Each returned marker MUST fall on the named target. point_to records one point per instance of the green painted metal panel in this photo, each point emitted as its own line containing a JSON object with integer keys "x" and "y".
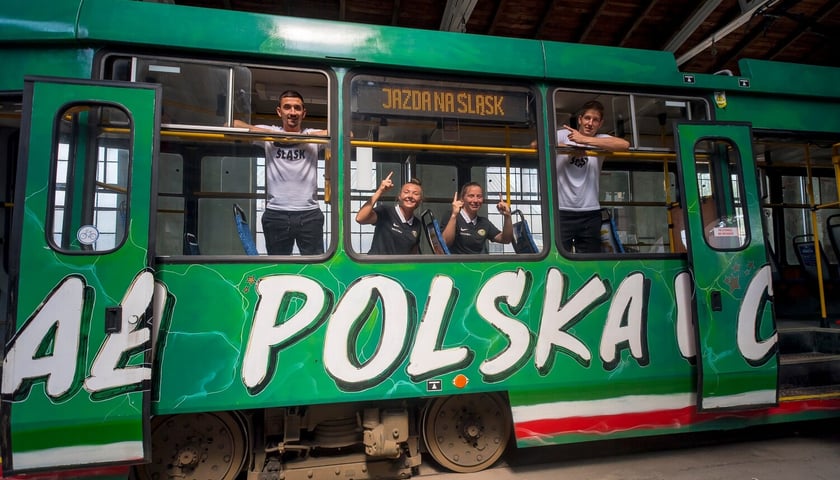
{"x": 53, "y": 62}
{"x": 782, "y": 113}
{"x": 129, "y": 21}
{"x": 321, "y": 359}
{"x": 78, "y": 384}
{"x": 792, "y": 78}
{"x": 38, "y": 20}
{"x": 736, "y": 337}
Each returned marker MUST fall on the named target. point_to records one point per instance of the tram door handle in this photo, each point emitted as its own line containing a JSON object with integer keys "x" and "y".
{"x": 717, "y": 305}
{"x": 113, "y": 319}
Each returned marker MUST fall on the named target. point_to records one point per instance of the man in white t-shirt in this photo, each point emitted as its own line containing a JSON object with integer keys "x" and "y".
{"x": 291, "y": 213}
{"x": 578, "y": 179}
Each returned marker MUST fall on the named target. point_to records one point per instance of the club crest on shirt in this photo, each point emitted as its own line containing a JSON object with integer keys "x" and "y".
{"x": 579, "y": 162}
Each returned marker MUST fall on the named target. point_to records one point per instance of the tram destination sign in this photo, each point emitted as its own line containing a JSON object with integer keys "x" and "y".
{"x": 383, "y": 98}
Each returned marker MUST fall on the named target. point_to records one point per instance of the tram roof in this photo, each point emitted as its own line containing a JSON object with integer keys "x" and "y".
{"x": 256, "y": 35}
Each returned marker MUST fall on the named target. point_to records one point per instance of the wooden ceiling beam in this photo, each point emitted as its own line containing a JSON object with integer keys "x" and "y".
{"x": 496, "y": 14}
{"x": 641, "y": 17}
{"x": 590, "y": 22}
{"x": 456, "y": 15}
{"x": 804, "y": 27}
{"x": 691, "y": 25}
{"x": 549, "y": 7}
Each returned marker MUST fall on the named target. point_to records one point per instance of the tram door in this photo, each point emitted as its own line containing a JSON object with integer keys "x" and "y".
{"x": 77, "y": 372}
{"x": 735, "y": 332}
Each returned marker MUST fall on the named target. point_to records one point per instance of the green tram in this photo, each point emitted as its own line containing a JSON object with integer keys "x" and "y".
{"x": 142, "y": 339}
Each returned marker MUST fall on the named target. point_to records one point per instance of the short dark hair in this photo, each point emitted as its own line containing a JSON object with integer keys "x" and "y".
{"x": 292, "y": 94}
{"x": 592, "y": 105}
{"x": 412, "y": 181}
{"x": 468, "y": 185}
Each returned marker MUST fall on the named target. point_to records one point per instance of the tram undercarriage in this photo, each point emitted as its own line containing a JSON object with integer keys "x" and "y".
{"x": 463, "y": 433}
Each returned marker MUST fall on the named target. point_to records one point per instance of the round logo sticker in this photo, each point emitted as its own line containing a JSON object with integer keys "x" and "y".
{"x": 87, "y": 235}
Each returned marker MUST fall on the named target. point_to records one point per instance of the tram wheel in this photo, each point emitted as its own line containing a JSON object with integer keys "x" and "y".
{"x": 467, "y": 433}
{"x": 199, "y": 446}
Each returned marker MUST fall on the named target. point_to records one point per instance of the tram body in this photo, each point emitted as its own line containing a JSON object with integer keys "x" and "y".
{"x": 138, "y": 333}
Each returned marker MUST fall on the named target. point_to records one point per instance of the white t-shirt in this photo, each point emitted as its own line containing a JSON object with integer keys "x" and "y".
{"x": 291, "y": 174}
{"x": 578, "y": 178}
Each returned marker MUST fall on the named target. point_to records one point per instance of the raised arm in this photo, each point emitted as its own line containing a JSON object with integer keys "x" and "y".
{"x": 258, "y": 129}
{"x": 366, "y": 215}
{"x": 506, "y": 235}
{"x": 252, "y": 128}
{"x": 449, "y": 230}
{"x": 608, "y": 142}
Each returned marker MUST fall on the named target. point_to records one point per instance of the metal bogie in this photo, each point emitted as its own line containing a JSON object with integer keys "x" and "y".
{"x": 326, "y": 441}
{"x": 464, "y": 433}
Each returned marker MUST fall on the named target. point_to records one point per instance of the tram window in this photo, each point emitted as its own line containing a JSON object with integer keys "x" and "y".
{"x": 720, "y": 183}
{"x": 171, "y": 207}
{"x": 196, "y": 93}
{"x": 640, "y": 204}
{"x": 523, "y": 192}
{"x": 793, "y": 203}
{"x": 617, "y": 119}
{"x": 90, "y": 185}
{"x": 446, "y": 134}
{"x": 655, "y": 117}
{"x": 204, "y": 178}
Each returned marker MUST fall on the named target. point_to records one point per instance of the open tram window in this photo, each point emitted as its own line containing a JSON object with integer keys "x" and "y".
{"x": 447, "y": 134}
{"x": 212, "y": 183}
{"x": 91, "y": 168}
{"x": 637, "y": 193}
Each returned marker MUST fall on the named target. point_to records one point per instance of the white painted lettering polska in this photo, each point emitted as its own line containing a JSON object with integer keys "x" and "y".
{"x": 627, "y": 322}
{"x": 625, "y": 327}
{"x": 513, "y": 288}
{"x": 559, "y": 315}
{"x": 268, "y": 336}
{"x": 399, "y": 314}
{"x": 427, "y": 358}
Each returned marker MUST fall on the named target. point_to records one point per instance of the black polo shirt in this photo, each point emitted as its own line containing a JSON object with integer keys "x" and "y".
{"x": 472, "y": 237}
{"x": 392, "y": 236}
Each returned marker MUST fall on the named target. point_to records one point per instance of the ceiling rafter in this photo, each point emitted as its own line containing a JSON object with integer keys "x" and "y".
{"x": 456, "y": 15}
{"x": 691, "y": 25}
{"x": 395, "y": 14}
{"x": 497, "y": 14}
{"x": 720, "y": 33}
{"x": 639, "y": 19}
{"x": 804, "y": 27}
{"x": 589, "y": 23}
{"x": 546, "y": 14}
{"x": 753, "y": 33}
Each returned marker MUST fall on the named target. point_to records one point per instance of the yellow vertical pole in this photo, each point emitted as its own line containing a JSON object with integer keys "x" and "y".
{"x": 507, "y": 166}
{"x": 327, "y": 187}
{"x": 815, "y": 230}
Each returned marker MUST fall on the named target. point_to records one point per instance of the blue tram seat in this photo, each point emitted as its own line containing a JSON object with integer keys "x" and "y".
{"x": 832, "y": 228}
{"x": 433, "y": 233}
{"x": 803, "y": 246}
{"x": 523, "y": 241}
{"x": 244, "y": 230}
{"x": 191, "y": 244}
{"x": 610, "y": 243}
